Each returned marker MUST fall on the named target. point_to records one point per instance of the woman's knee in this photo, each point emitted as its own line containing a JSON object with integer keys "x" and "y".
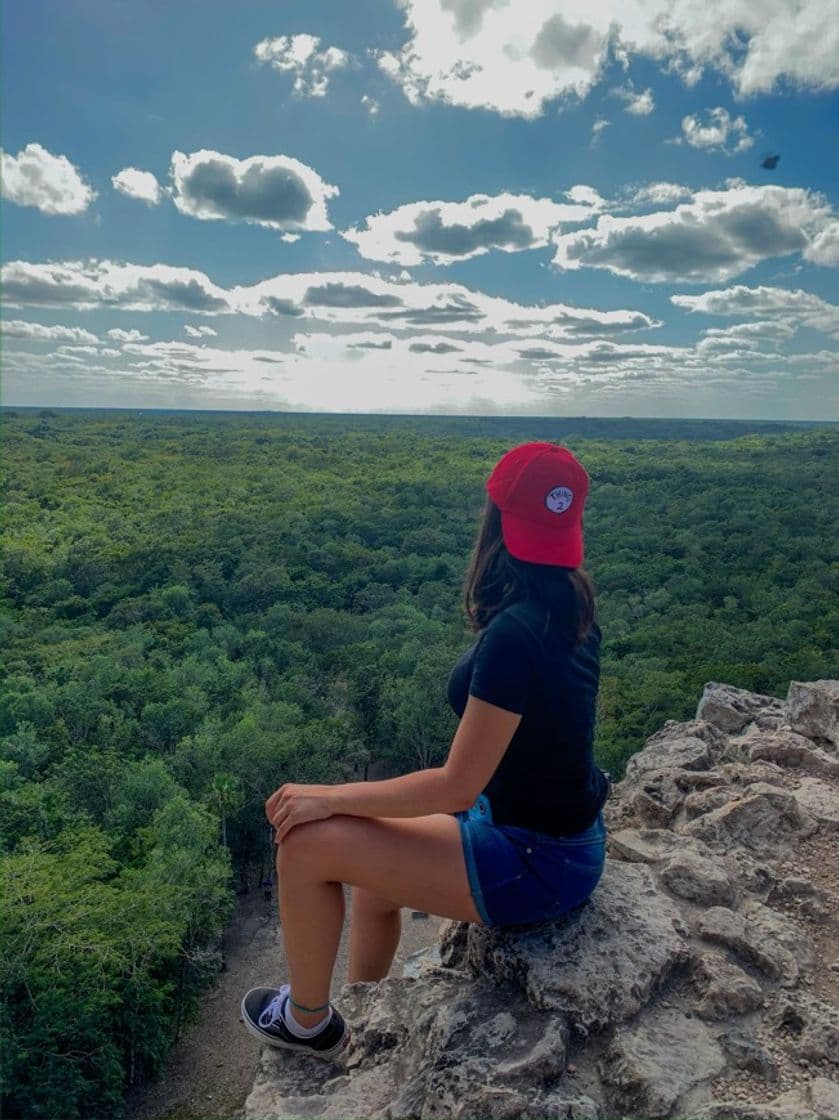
{"x": 306, "y": 847}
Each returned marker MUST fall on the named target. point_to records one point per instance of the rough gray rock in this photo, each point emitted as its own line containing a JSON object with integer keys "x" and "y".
{"x": 703, "y": 800}
{"x": 812, "y": 901}
{"x": 651, "y": 1064}
{"x": 686, "y": 753}
{"x": 745, "y": 1052}
{"x": 812, "y": 709}
{"x": 694, "y": 963}
{"x": 648, "y": 845}
{"x": 723, "y": 927}
{"x": 658, "y": 799}
{"x": 820, "y": 800}
{"x": 571, "y": 966}
{"x": 691, "y": 729}
{"x": 816, "y": 1100}
{"x": 725, "y": 990}
{"x": 790, "y": 749}
{"x": 766, "y": 820}
{"x": 731, "y": 709}
{"x": 704, "y": 881}
{"x": 821, "y": 1096}
{"x": 812, "y": 1025}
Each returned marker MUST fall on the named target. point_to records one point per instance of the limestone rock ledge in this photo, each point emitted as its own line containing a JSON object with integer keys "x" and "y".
{"x": 700, "y": 980}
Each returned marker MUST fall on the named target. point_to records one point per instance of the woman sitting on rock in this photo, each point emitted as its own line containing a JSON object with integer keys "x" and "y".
{"x": 510, "y": 831}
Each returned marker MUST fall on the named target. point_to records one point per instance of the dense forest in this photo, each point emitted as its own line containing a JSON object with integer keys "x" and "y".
{"x": 197, "y": 607}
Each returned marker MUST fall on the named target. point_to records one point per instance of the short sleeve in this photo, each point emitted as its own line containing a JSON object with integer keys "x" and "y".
{"x": 502, "y": 667}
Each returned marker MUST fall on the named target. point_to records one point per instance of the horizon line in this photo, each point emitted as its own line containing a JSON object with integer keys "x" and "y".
{"x": 414, "y": 415}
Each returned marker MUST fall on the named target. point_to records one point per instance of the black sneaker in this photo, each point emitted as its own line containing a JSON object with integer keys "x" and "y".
{"x": 262, "y": 1013}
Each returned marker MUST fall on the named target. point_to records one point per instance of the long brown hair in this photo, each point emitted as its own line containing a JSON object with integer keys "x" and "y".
{"x": 495, "y": 578}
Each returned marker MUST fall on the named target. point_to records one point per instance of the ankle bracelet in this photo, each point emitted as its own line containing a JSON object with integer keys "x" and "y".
{"x": 302, "y": 1008}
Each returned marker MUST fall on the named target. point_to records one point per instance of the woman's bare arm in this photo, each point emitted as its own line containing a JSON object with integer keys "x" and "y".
{"x": 482, "y": 737}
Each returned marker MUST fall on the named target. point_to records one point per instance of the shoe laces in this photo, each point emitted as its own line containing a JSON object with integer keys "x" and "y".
{"x": 274, "y": 1010}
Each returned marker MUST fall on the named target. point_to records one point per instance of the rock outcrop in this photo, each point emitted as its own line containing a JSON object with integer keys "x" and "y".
{"x": 701, "y": 978}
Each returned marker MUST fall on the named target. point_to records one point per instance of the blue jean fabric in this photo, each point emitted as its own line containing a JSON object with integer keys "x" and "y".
{"x": 521, "y": 877}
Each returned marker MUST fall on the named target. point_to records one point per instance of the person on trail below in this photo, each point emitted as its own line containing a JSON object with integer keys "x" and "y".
{"x": 510, "y": 830}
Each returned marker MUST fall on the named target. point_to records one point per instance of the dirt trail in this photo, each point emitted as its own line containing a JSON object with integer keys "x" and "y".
{"x": 212, "y": 1067}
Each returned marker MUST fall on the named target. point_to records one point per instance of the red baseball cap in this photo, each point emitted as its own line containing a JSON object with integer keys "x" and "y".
{"x": 541, "y": 490}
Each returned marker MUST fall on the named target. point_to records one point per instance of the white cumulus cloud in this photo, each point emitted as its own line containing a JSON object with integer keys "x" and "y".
{"x": 596, "y": 129}
{"x": 713, "y": 237}
{"x": 104, "y": 283}
{"x": 824, "y": 248}
{"x": 351, "y": 299}
{"x": 35, "y": 177}
{"x": 638, "y": 104}
{"x": 141, "y": 185}
{"x": 303, "y": 56}
{"x": 18, "y": 328}
{"x": 278, "y": 192}
{"x": 719, "y": 131}
{"x": 660, "y": 194}
{"x": 789, "y": 305}
{"x": 444, "y": 232}
{"x": 120, "y": 335}
{"x": 767, "y": 332}
{"x": 514, "y": 58}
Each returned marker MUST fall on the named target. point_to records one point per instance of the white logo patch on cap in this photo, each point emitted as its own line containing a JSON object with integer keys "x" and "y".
{"x": 559, "y": 499}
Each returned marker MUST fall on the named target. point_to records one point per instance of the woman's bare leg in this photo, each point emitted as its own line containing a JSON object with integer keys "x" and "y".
{"x": 415, "y": 861}
{"x": 375, "y": 930}
{"x": 312, "y": 917}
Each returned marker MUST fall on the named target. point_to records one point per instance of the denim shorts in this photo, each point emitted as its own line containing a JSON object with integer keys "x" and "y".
{"x": 519, "y": 876}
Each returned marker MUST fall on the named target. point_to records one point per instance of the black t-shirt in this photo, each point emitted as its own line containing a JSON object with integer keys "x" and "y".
{"x": 547, "y": 779}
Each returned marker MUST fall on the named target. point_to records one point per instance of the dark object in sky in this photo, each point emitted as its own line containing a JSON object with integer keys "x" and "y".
{"x": 771, "y": 162}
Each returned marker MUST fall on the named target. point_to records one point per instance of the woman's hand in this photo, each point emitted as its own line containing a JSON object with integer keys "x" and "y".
{"x": 293, "y": 804}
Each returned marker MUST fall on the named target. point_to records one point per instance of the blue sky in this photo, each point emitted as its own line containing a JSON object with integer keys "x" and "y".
{"x": 432, "y": 206}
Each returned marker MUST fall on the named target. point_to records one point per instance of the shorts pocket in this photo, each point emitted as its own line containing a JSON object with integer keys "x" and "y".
{"x": 582, "y": 869}
{"x": 572, "y": 869}
{"x": 593, "y": 850}
{"x": 586, "y": 860}
{"x": 510, "y": 865}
